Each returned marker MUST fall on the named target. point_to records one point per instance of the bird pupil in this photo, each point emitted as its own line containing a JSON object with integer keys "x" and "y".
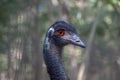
{"x": 60, "y": 33}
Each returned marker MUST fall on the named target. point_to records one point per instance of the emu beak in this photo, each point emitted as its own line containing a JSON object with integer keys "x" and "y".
{"x": 77, "y": 41}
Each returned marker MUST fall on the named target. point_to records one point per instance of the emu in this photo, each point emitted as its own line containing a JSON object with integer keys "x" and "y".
{"x": 58, "y": 35}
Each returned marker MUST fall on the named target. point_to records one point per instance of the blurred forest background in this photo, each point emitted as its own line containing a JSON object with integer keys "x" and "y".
{"x": 23, "y": 24}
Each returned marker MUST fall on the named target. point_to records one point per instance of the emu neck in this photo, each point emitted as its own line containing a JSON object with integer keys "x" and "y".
{"x": 52, "y": 56}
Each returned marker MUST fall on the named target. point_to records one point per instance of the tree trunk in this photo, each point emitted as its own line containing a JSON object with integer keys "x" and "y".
{"x": 37, "y": 65}
{"x": 49, "y": 7}
{"x": 84, "y": 66}
{"x": 65, "y": 10}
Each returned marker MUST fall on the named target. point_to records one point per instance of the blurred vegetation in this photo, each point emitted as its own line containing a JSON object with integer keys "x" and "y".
{"x": 23, "y": 24}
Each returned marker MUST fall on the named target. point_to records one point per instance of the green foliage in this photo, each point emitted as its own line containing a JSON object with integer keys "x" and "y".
{"x": 3, "y": 64}
{"x": 82, "y": 16}
{"x": 10, "y": 7}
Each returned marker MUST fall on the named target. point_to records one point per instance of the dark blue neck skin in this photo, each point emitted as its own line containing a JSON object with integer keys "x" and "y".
{"x": 53, "y": 62}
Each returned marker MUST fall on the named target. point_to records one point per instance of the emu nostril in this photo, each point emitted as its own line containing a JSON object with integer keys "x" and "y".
{"x": 77, "y": 41}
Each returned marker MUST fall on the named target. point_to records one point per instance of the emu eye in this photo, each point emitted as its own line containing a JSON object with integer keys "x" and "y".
{"x": 60, "y": 32}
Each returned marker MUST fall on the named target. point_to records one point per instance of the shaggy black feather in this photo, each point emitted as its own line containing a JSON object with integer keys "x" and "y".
{"x": 63, "y": 25}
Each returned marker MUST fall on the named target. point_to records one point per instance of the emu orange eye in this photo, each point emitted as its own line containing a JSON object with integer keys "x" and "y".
{"x": 60, "y": 33}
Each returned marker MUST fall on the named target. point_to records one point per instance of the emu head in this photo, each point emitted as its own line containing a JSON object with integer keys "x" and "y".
{"x": 62, "y": 33}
